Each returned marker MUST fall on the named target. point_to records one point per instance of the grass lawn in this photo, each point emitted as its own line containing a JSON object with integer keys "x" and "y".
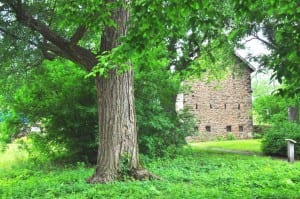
{"x": 250, "y": 145}
{"x": 12, "y": 155}
{"x": 194, "y": 172}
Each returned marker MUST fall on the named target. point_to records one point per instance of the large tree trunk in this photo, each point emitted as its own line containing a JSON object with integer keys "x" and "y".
{"x": 118, "y": 151}
{"x": 118, "y": 147}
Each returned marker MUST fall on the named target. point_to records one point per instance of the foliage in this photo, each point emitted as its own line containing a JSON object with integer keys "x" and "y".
{"x": 230, "y": 136}
{"x": 257, "y": 135}
{"x": 159, "y": 126}
{"x": 11, "y": 125}
{"x": 271, "y": 109}
{"x": 59, "y": 101}
{"x": 261, "y": 84}
{"x": 277, "y": 21}
{"x": 124, "y": 167}
{"x": 55, "y": 97}
{"x": 193, "y": 173}
{"x": 274, "y": 142}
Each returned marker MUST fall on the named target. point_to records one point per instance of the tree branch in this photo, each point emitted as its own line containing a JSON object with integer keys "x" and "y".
{"x": 66, "y": 48}
{"x": 267, "y": 43}
{"x": 44, "y": 49}
{"x": 78, "y": 35}
{"x": 25, "y": 18}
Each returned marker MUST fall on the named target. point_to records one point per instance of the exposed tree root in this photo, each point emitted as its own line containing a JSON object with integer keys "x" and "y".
{"x": 136, "y": 174}
{"x": 98, "y": 178}
{"x": 144, "y": 174}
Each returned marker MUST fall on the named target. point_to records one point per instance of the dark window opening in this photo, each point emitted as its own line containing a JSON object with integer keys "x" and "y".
{"x": 228, "y": 128}
{"x": 193, "y": 95}
{"x": 208, "y": 128}
{"x": 239, "y": 106}
{"x": 241, "y": 128}
{"x": 210, "y": 106}
{"x": 225, "y": 106}
{"x": 196, "y": 107}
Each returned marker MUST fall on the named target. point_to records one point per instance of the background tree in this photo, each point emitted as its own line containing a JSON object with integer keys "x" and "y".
{"x": 275, "y": 24}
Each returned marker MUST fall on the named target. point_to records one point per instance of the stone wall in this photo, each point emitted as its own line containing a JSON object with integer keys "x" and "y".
{"x": 222, "y": 107}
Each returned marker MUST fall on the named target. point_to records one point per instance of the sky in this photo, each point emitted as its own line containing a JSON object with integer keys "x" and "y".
{"x": 256, "y": 48}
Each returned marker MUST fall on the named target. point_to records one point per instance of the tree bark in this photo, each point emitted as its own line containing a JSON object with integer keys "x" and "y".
{"x": 293, "y": 113}
{"x": 118, "y": 135}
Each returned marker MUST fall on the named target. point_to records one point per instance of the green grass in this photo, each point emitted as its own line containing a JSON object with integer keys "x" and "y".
{"x": 251, "y": 145}
{"x": 11, "y": 156}
{"x": 194, "y": 172}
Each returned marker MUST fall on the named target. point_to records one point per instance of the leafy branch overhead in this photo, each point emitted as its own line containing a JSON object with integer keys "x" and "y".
{"x": 276, "y": 25}
{"x": 72, "y": 30}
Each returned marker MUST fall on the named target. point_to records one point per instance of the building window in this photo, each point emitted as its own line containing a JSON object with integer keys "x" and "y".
{"x": 210, "y": 106}
{"x": 239, "y": 106}
{"x": 196, "y": 106}
{"x": 228, "y": 128}
{"x": 225, "y": 106}
{"x": 241, "y": 128}
{"x": 208, "y": 128}
{"x": 193, "y": 95}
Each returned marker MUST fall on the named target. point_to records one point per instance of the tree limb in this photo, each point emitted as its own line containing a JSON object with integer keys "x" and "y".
{"x": 267, "y": 43}
{"x": 66, "y": 48}
{"x": 78, "y": 35}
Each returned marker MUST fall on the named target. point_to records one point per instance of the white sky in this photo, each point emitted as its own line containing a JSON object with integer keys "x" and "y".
{"x": 256, "y": 48}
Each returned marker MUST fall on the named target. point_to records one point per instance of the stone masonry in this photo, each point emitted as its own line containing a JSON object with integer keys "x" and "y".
{"x": 222, "y": 107}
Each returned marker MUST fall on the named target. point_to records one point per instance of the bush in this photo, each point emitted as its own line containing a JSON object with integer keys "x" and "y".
{"x": 57, "y": 96}
{"x": 274, "y": 142}
{"x": 160, "y": 128}
{"x": 271, "y": 109}
{"x": 230, "y": 136}
{"x": 10, "y": 126}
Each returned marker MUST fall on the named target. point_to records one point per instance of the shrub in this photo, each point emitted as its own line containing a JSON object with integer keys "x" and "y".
{"x": 10, "y": 126}
{"x": 257, "y": 135}
{"x": 271, "y": 109}
{"x": 160, "y": 128}
{"x": 230, "y": 136}
{"x": 274, "y": 142}
{"x": 59, "y": 97}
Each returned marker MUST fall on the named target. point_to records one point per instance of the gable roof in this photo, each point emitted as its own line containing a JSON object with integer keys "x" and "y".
{"x": 250, "y": 66}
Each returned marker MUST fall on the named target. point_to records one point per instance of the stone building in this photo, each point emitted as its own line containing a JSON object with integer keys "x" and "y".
{"x": 221, "y": 108}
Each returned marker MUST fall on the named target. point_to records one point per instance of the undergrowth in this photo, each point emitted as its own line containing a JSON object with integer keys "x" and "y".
{"x": 191, "y": 173}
